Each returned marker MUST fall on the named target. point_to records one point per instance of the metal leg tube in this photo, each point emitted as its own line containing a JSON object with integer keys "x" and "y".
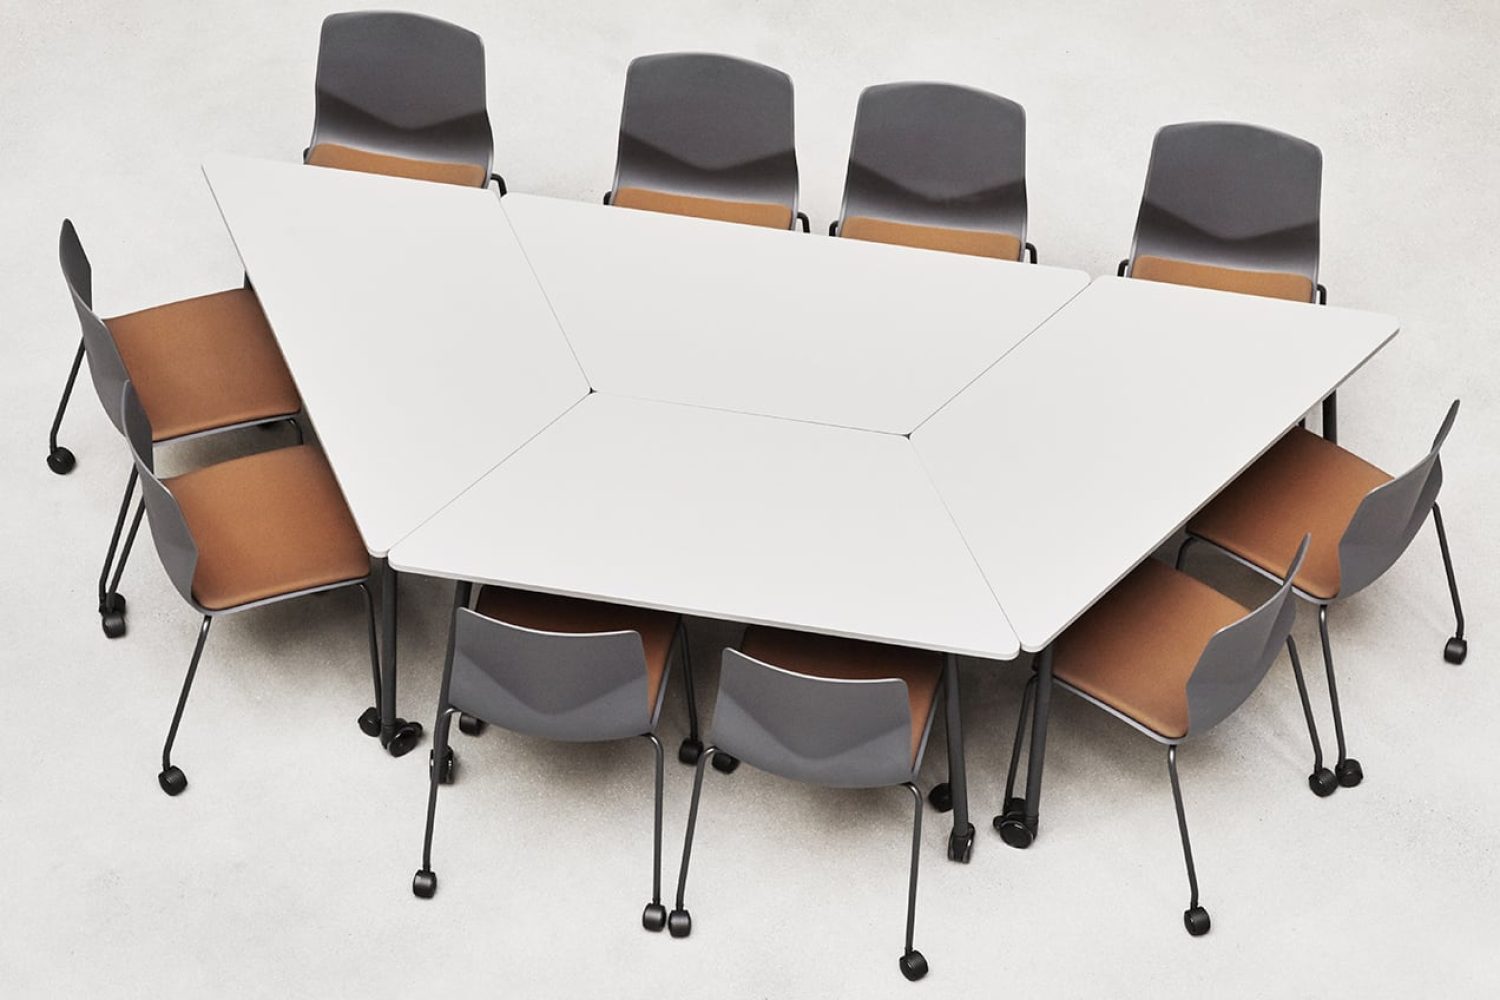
{"x": 692, "y": 746}
{"x": 135, "y": 526}
{"x": 1347, "y": 769}
{"x": 59, "y": 459}
{"x": 424, "y": 882}
{"x": 1331, "y": 418}
{"x": 913, "y": 964}
{"x": 397, "y": 735}
{"x": 679, "y": 921}
{"x": 111, "y": 603}
{"x": 654, "y": 917}
{"x": 1011, "y": 821}
{"x": 1458, "y": 647}
{"x": 171, "y": 778}
{"x": 1038, "y": 755}
{"x": 961, "y": 840}
{"x": 1322, "y": 780}
{"x": 1194, "y": 917}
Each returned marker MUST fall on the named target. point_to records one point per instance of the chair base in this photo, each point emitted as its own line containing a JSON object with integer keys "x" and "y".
{"x": 1457, "y": 649}
{"x": 654, "y": 917}
{"x": 1196, "y": 921}
{"x": 1349, "y": 772}
{"x": 1012, "y": 825}
{"x": 424, "y": 883}
{"x": 941, "y": 797}
{"x": 443, "y": 772}
{"x": 724, "y": 763}
{"x": 961, "y": 845}
{"x": 369, "y": 722}
{"x": 680, "y": 923}
{"x": 1323, "y": 782}
{"x": 403, "y": 741}
{"x": 690, "y": 750}
{"x": 913, "y": 965}
{"x": 61, "y": 461}
{"x": 172, "y": 780}
{"x": 470, "y": 726}
{"x": 112, "y": 615}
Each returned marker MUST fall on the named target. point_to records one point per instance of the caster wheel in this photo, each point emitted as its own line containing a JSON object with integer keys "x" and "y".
{"x": 941, "y": 797}
{"x": 961, "y": 845}
{"x": 423, "y": 884}
{"x": 1196, "y": 921}
{"x": 654, "y": 917}
{"x": 113, "y": 623}
{"x": 404, "y": 741}
{"x": 369, "y": 722}
{"x": 61, "y": 461}
{"x": 724, "y": 763}
{"x": 680, "y": 923}
{"x": 1012, "y": 825}
{"x": 445, "y": 772}
{"x": 1349, "y": 772}
{"x": 113, "y": 601}
{"x": 172, "y": 780}
{"x": 1456, "y": 650}
{"x": 470, "y": 726}
{"x": 1322, "y": 782}
{"x": 913, "y": 965}
{"x": 690, "y": 751}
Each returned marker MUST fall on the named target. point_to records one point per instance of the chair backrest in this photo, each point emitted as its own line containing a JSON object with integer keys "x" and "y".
{"x": 936, "y": 154}
{"x": 106, "y": 367}
{"x": 1390, "y": 516}
{"x": 560, "y": 686}
{"x": 404, "y": 85}
{"x": 1237, "y": 657}
{"x": 169, "y": 529}
{"x": 710, "y": 126}
{"x": 1232, "y": 195}
{"x": 839, "y": 733}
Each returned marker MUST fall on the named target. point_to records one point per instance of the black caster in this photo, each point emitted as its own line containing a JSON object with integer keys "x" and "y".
{"x": 1322, "y": 782}
{"x": 654, "y": 917}
{"x": 725, "y": 764}
{"x": 112, "y": 615}
{"x": 1012, "y": 826}
{"x": 61, "y": 461}
{"x": 913, "y": 965}
{"x": 690, "y": 751}
{"x": 470, "y": 726}
{"x": 680, "y": 923}
{"x": 172, "y": 780}
{"x": 369, "y": 722}
{"x": 961, "y": 845}
{"x": 1456, "y": 650}
{"x": 1349, "y": 772}
{"x": 404, "y": 739}
{"x": 445, "y": 772}
{"x": 1196, "y": 921}
{"x": 423, "y": 884}
{"x": 941, "y": 797}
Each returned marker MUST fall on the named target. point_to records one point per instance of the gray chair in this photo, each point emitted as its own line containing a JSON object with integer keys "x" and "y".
{"x": 938, "y": 166}
{"x": 827, "y": 711}
{"x": 402, "y": 94}
{"x": 709, "y": 136}
{"x": 243, "y": 534}
{"x": 1362, "y": 520}
{"x": 562, "y": 669}
{"x": 201, "y": 366}
{"x": 1173, "y": 657}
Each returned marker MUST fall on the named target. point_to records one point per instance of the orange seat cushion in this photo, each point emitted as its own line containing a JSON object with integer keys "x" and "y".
{"x": 975, "y": 242}
{"x": 331, "y": 154}
{"x": 750, "y": 213}
{"x": 204, "y": 363}
{"x": 852, "y": 659}
{"x": 573, "y": 615}
{"x": 1271, "y": 284}
{"x": 268, "y": 524}
{"x": 1136, "y": 648}
{"x": 1304, "y": 484}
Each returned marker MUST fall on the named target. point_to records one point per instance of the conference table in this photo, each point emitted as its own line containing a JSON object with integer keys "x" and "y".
{"x": 945, "y": 452}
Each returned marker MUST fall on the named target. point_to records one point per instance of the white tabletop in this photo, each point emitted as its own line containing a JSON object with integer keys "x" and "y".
{"x": 726, "y": 515}
{"x": 423, "y": 348}
{"x": 754, "y": 320}
{"x": 1094, "y": 440}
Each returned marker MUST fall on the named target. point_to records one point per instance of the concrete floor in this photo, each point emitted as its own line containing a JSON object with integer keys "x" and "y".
{"x": 284, "y": 870}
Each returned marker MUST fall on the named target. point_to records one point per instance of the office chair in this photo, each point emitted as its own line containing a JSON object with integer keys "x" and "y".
{"x": 1362, "y": 520}
{"x": 200, "y": 366}
{"x": 564, "y": 669}
{"x": 938, "y": 166}
{"x": 403, "y": 95}
{"x": 708, "y": 136}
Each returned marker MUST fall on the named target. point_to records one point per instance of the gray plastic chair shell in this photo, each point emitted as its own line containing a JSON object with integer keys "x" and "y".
{"x": 833, "y": 732}
{"x": 106, "y": 367}
{"x": 708, "y": 125}
{"x": 404, "y": 85}
{"x": 1232, "y": 195}
{"x": 169, "y": 529}
{"x": 938, "y": 154}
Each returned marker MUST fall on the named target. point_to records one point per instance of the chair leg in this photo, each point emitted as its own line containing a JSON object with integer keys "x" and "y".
{"x": 59, "y": 459}
{"x": 913, "y": 964}
{"x": 692, "y": 746}
{"x": 680, "y": 921}
{"x": 111, "y": 602}
{"x": 1321, "y": 781}
{"x": 1195, "y": 917}
{"x": 424, "y": 882}
{"x": 171, "y": 778}
{"x": 1347, "y": 769}
{"x": 654, "y": 917}
{"x": 369, "y": 720}
{"x": 1011, "y": 823}
{"x": 1458, "y": 647}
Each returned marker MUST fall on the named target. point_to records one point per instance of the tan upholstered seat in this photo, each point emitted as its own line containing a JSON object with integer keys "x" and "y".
{"x": 851, "y": 659}
{"x": 975, "y": 242}
{"x": 550, "y": 613}
{"x": 268, "y": 524}
{"x": 204, "y": 363}
{"x": 1303, "y": 484}
{"x": 750, "y": 213}
{"x": 1271, "y": 284}
{"x": 1136, "y": 648}
{"x": 330, "y": 154}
